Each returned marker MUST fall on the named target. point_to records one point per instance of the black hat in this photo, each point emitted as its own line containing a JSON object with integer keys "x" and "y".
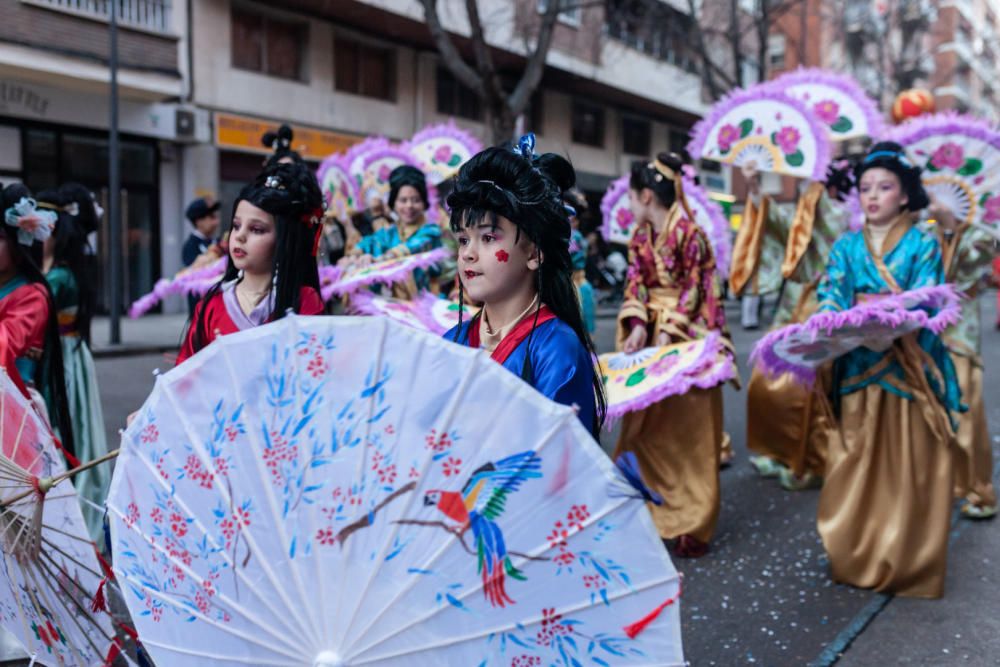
{"x": 890, "y": 155}
{"x": 200, "y": 208}
{"x": 402, "y": 175}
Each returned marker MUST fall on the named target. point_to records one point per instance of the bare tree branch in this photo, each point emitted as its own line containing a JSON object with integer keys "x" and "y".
{"x": 449, "y": 53}
{"x": 484, "y": 59}
{"x": 533, "y": 71}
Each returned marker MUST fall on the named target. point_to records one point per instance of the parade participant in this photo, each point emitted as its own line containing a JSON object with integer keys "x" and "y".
{"x": 412, "y": 232}
{"x": 783, "y": 425}
{"x": 672, "y": 296}
{"x": 513, "y": 237}
{"x": 272, "y": 258}
{"x": 885, "y": 506}
{"x": 64, "y": 262}
{"x": 967, "y": 252}
{"x": 576, "y": 205}
{"x": 755, "y": 269}
{"x": 30, "y": 350}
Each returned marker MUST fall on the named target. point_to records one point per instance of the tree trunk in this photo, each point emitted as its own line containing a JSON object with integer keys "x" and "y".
{"x": 501, "y": 122}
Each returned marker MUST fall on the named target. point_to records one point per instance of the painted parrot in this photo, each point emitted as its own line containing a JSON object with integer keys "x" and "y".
{"x": 480, "y": 504}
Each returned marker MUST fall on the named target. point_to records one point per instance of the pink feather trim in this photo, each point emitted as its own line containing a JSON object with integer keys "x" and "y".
{"x": 353, "y": 283}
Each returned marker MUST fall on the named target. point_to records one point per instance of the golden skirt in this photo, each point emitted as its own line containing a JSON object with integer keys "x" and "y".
{"x": 885, "y": 507}
{"x": 677, "y": 443}
{"x": 785, "y": 423}
{"x": 973, "y": 456}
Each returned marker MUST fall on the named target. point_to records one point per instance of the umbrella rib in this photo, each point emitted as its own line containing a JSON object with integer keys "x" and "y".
{"x": 447, "y": 545}
{"x": 194, "y": 575}
{"x": 71, "y": 557}
{"x": 450, "y": 411}
{"x": 76, "y": 621}
{"x": 217, "y": 656}
{"x": 316, "y": 633}
{"x": 17, "y": 597}
{"x": 510, "y": 626}
{"x": 224, "y": 628}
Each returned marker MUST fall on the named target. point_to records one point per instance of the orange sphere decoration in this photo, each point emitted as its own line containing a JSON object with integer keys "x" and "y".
{"x": 910, "y": 103}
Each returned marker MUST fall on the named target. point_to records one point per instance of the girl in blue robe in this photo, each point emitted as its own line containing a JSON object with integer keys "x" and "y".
{"x": 885, "y": 507}
{"x": 513, "y": 257}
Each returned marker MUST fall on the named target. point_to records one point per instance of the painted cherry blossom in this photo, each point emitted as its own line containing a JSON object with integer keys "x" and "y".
{"x": 728, "y": 135}
{"x": 992, "y": 206}
{"x": 787, "y": 139}
{"x": 827, "y": 111}
{"x": 442, "y": 154}
{"x": 948, "y": 155}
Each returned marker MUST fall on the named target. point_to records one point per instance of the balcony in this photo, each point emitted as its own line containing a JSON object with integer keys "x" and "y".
{"x": 147, "y": 15}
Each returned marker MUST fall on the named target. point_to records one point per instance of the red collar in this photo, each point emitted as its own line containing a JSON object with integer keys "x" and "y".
{"x": 515, "y": 337}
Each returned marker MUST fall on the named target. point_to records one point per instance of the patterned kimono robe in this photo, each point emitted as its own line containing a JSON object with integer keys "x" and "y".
{"x": 398, "y": 241}
{"x": 967, "y": 259}
{"x": 782, "y": 421}
{"x": 673, "y": 288}
{"x": 758, "y": 250}
{"x": 83, "y": 397}
{"x": 885, "y": 507}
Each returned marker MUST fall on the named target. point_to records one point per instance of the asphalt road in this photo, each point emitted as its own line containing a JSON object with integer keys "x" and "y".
{"x": 763, "y": 595}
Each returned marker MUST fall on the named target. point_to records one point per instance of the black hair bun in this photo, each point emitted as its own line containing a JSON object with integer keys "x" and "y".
{"x": 557, "y": 169}
{"x": 404, "y": 175}
{"x": 672, "y": 160}
{"x": 891, "y": 156}
{"x": 282, "y": 139}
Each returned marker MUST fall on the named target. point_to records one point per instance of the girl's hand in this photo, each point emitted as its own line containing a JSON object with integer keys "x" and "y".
{"x": 636, "y": 339}
{"x": 663, "y": 338}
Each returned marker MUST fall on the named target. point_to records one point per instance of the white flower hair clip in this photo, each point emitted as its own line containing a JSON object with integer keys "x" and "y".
{"x": 32, "y": 224}
{"x": 272, "y": 182}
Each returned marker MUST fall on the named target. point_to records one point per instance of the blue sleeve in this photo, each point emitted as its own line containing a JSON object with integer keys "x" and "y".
{"x": 836, "y": 290}
{"x": 929, "y": 267}
{"x": 563, "y": 371}
{"x": 426, "y": 238}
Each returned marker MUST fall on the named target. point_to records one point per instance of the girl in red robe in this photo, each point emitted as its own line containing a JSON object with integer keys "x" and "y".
{"x": 272, "y": 258}
{"x": 30, "y": 351}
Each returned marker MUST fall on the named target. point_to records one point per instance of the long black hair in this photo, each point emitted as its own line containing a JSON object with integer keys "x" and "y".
{"x": 645, "y": 175}
{"x": 81, "y": 202}
{"x": 527, "y": 190}
{"x": 49, "y": 374}
{"x": 890, "y": 155}
{"x": 69, "y": 252}
{"x": 290, "y": 193}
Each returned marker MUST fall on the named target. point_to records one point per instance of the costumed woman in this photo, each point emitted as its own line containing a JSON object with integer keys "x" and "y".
{"x": 513, "y": 239}
{"x": 755, "y": 269}
{"x": 30, "y": 350}
{"x": 784, "y": 426}
{"x": 673, "y": 295}
{"x": 64, "y": 264}
{"x": 967, "y": 253}
{"x": 412, "y": 233}
{"x": 274, "y": 238}
{"x": 885, "y": 506}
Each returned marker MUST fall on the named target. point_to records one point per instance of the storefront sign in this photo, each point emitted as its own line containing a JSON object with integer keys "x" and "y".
{"x": 244, "y": 133}
{"x": 16, "y": 96}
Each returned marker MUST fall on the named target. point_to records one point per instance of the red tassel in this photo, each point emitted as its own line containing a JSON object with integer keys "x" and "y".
{"x": 634, "y": 629}
{"x": 130, "y": 631}
{"x": 70, "y": 459}
{"x": 113, "y": 652}
{"x": 99, "y": 603}
{"x": 105, "y": 565}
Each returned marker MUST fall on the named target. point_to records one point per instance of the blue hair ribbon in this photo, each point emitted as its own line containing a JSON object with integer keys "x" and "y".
{"x": 526, "y": 146}
{"x": 897, "y": 155}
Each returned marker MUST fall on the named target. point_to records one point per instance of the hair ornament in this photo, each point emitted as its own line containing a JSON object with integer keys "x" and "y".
{"x": 526, "y": 146}
{"x": 32, "y": 224}
{"x": 899, "y": 156}
{"x": 273, "y": 181}
{"x": 511, "y": 194}
{"x": 663, "y": 170}
{"x": 72, "y": 208}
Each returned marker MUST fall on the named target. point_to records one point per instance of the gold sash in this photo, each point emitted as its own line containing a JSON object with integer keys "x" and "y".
{"x": 801, "y": 231}
{"x": 748, "y": 246}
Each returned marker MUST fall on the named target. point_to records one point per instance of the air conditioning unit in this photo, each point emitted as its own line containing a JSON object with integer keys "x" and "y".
{"x": 184, "y": 124}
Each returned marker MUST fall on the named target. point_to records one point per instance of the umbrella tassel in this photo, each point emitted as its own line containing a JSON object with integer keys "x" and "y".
{"x": 100, "y": 602}
{"x": 113, "y": 653}
{"x": 633, "y": 630}
{"x": 70, "y": 459}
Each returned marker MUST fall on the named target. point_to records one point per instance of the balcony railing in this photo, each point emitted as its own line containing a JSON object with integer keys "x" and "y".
{"x": 151, "y": 15}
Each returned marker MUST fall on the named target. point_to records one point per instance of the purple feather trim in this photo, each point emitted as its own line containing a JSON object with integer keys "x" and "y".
{"x": 712, "y": 367}
{"x": 356, "y": 154}
{"x": 943, "y": 124}
{"x": 187, "y": 282}
{"x": 703, "y": 128}
{"x": 894, "y": 310}
{"x": 449, "y": 130}
{"x": 328, "y": 277}
{"x": 855, "y": 214}
{"x": 842, "y": 82}
{"x": 717, "y": 228}
{"x": 616, "y": 190}
{"x": 402, "y": 271}
{"x": 337, "y": 162}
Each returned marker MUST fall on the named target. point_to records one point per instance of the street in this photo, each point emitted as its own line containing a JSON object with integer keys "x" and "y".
{"x": 763, "y": 595}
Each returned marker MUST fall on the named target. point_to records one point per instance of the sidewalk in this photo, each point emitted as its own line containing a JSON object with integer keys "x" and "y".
{"x": 149, "y": 334}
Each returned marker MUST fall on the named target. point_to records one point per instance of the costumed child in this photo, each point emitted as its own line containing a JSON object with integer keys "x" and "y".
{"x": 673, "y": 295}
{"x": 784, "y": 426}
{"x": 30, "y": 350}
{"x": 576, "y": 205}
{"x": 513, "y": 239}
{"x": 273, "y": 241}
{"x": 885, "y": 506}
{"x": 412, "y": 233}
{"x": 64, "y": 264}
{"x": 755, "y": 269}
{"x": 967, "y": 252}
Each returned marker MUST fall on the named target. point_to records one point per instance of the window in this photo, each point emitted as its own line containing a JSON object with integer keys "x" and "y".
{"x": 267, "y": 45}
{"x": 636, "y": 135}
{"x": 454, "y": 99}
{"x": 678, "y": 141}
{"x": 655, "y": 29}
{"x": 569, "y": 16}
{"x": 776, "y": 52}
{"x": 588, "y": 124}
{"x": 363, "y": 69}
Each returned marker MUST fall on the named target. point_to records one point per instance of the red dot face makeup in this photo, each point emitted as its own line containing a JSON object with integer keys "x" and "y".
{"x": 502, "y": 256}
{"x": 492, "y": 261}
